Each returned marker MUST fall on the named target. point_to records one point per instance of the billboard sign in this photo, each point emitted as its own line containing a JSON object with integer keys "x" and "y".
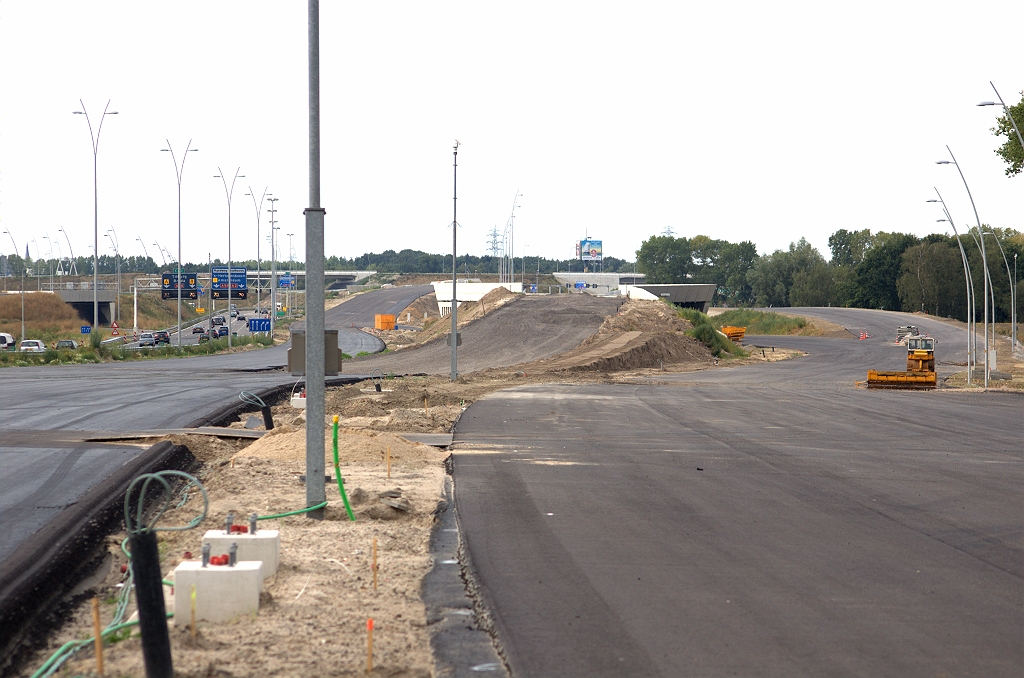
{"x": 286, "y": 280}
{"x": 259, "y": 324}
{"x": 579, "y": 252}
{"x": 171, "y": 282}
{"x": 220, "y": 287}
{"x": 591, "y": 250}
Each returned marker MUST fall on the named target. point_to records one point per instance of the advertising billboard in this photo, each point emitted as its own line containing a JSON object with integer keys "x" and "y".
{"x": 170, "y": 284}
{"x": 590, "y": 250}
{"x": 220, "y": 287}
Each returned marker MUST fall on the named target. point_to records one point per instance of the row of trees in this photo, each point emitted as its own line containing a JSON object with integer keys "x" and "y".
{"x": 892, "y": 271}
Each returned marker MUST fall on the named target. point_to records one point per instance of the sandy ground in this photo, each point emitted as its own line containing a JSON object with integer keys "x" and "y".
{"x": 312, "y": 618}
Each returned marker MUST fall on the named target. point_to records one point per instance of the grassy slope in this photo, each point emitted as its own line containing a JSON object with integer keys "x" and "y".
{"x": 759, "y": 322}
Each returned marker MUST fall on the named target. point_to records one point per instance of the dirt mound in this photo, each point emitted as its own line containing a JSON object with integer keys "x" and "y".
{"x": 354, "y": 446}
{"x": 420, "y": 311}
{"x": 645, "y": 316}
{"x": 468, "y": 311}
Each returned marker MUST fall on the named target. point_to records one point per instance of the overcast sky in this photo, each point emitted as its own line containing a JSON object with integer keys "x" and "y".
{"x": 765, "y": 121}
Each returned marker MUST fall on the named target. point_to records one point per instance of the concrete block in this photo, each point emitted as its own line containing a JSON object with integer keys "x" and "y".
{"x": 222, "y": 592}
{"x": 265, "y": 546}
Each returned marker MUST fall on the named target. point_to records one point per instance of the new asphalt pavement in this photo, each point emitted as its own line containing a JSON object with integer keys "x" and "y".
{"x": 773, "y": 520}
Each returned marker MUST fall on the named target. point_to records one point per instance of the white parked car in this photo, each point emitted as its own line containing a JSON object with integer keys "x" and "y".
{"x": 147, "y": 339}
{"x": 6, "y": 341}
{"x": 32, "y": 346}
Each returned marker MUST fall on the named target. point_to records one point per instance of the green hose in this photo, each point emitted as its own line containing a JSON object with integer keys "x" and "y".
{"x": 337, "y": 472}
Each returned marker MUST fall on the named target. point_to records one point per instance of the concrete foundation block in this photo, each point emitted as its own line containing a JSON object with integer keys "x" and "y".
{"x": 222, "y": 592}
{"x": 264, "y": 546}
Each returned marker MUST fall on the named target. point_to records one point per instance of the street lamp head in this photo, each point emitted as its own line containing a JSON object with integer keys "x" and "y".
{"x": 943, "y": 162}
{"x": 78, "y": 112}
{"x": 110, "y": 113}
{"x": 988, "y": 103}
{"x": 932, "y": 200}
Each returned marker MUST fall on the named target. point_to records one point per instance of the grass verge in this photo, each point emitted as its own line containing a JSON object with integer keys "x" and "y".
{"x": 95, "y": 352}
{"x": 760, "y": 322}
{"x": 706, "y": 333}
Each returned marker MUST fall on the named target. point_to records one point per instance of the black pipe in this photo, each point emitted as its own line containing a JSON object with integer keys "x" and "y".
{"x": 268, "y": 418}
{"x": 149, "y": 592}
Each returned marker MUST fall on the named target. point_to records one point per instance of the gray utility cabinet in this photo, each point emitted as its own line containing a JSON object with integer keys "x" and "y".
{"x": 297, "y": 353}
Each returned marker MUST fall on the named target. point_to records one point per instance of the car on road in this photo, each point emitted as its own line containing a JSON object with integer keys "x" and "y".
{"x": 162, "y": 337}
{"x": 32, "y": 346}
{"x": 222, "y": 331}
{"x": 241, "y": 317}
{"x": 204, "y": 337}
{"x": 217, "y": 320}
{"x": 234, "y": 313}
{"x": 67, "y": 343}
{"x": 6, "y": 341}
{"x": 198, "y": 329}
{"x": 147, "y": 339}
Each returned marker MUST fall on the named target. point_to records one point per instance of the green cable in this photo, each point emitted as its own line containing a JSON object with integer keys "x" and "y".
{"x": 48, "y": 668}
{"x": 337, "y": 473}
{"x": 292, "y": 513}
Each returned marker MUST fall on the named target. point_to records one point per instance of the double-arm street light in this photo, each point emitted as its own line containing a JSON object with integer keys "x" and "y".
{"x": 984, "y": 257}
{"x": 178, "y": 170}
{"x": 95, "y": 207}
{"x": 22, "y": 286}
{"x": 273, "y": 265}
{"x": 49, "y": 257}
{"x": 228, "y": 192}
{"x": 259, "y": 208}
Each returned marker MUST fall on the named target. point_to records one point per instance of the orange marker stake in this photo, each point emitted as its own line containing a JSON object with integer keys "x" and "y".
{"x": 97, "y": 632}
{"x": 424, "y": 404}
{"x": 374, "y": 564}
{"x": 369, "y": 646}
{"x": 389, "y": 461}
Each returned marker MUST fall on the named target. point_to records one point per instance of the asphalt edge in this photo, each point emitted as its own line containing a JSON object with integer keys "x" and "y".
{"x": 48, "y": 565}
{"x": 460, "y": 641}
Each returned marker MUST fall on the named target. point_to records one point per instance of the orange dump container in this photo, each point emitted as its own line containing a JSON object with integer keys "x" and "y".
{"x": 384, "y": 321}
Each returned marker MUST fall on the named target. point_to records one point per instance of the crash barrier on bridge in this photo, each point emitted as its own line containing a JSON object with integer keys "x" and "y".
{"x": 384, "y": 321}
{"x": 297, "y": 353}
{"x": 734, "y": 333}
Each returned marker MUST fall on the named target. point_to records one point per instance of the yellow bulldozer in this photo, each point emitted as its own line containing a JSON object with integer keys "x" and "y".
{"x": 920, "y": 372}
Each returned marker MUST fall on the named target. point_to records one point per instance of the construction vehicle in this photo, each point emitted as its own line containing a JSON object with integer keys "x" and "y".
{"x": 920, "y": 372}
{"x": 734, "y": 333}
{"x": 904, "y": 331}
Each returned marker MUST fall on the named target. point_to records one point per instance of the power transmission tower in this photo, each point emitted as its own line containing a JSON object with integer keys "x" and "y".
{"x": 494, "y": 243}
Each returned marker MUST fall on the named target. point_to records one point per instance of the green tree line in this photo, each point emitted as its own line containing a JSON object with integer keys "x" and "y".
{"x": 891, "y": 271}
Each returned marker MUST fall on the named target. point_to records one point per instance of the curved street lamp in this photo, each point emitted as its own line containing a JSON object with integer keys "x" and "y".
{"x": 177, "y": 173}
{"x": 984, "y": 257}
{"x": 144, "y": 250}
{"x": 22, "y": 286}
{"x": 95, "y": 207}
{"x": 1006, "y": 110}
{"x": 227, "y": 194}
{"x": 259, "y": 208}
{"x": 72, "y": 266}
{"x": 971, "y": 306}
{"x": 273, "y": 265}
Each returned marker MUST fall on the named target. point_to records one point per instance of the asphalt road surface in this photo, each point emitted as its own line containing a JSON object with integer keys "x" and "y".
{"x": 527, "y": 329}
{"x": 44, "y": 464}
{"x": 757, "y": 521}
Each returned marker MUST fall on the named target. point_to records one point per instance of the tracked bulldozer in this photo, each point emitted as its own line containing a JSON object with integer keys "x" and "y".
{"x": 920, "y": 372}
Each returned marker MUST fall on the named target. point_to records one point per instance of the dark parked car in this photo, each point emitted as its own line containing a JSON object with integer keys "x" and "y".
{"x": 198, "y": 329}
{"x": 162, "y": 337}
{"x": 217, "y": 320}
{"x": 67, "y": 343}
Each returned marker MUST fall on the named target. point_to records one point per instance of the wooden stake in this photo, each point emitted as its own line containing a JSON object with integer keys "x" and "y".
{"x": 374, "y": 564}
{"x": 192, "y": 606}
{"x": 389, "y": 461}
{"x": 424, "y": 404}
{"x": 97, "y": 631}
{"x": 369, "y": 646}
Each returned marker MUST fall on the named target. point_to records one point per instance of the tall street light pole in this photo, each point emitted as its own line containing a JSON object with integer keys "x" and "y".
{"x": 144, "y": 250}
{"x": 117, "y": 261}
{"x": 178, "y": 171}
{"x": 95, "y": 138}
{"x": 984, "y": 256}
{"x": 971, "y": 307}
{"x": 1006, "y": 110}
{"x": 455, "y": 271}
{"x": 259, "y": 208}
{"x": 22, "y": 286}
{"x": 49, "y": 258}
{"x": 315, "y": 491}
{"x": 273, "y": 266}
{"x": 71, "y": 265}
{"x": 227, "y": 194}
